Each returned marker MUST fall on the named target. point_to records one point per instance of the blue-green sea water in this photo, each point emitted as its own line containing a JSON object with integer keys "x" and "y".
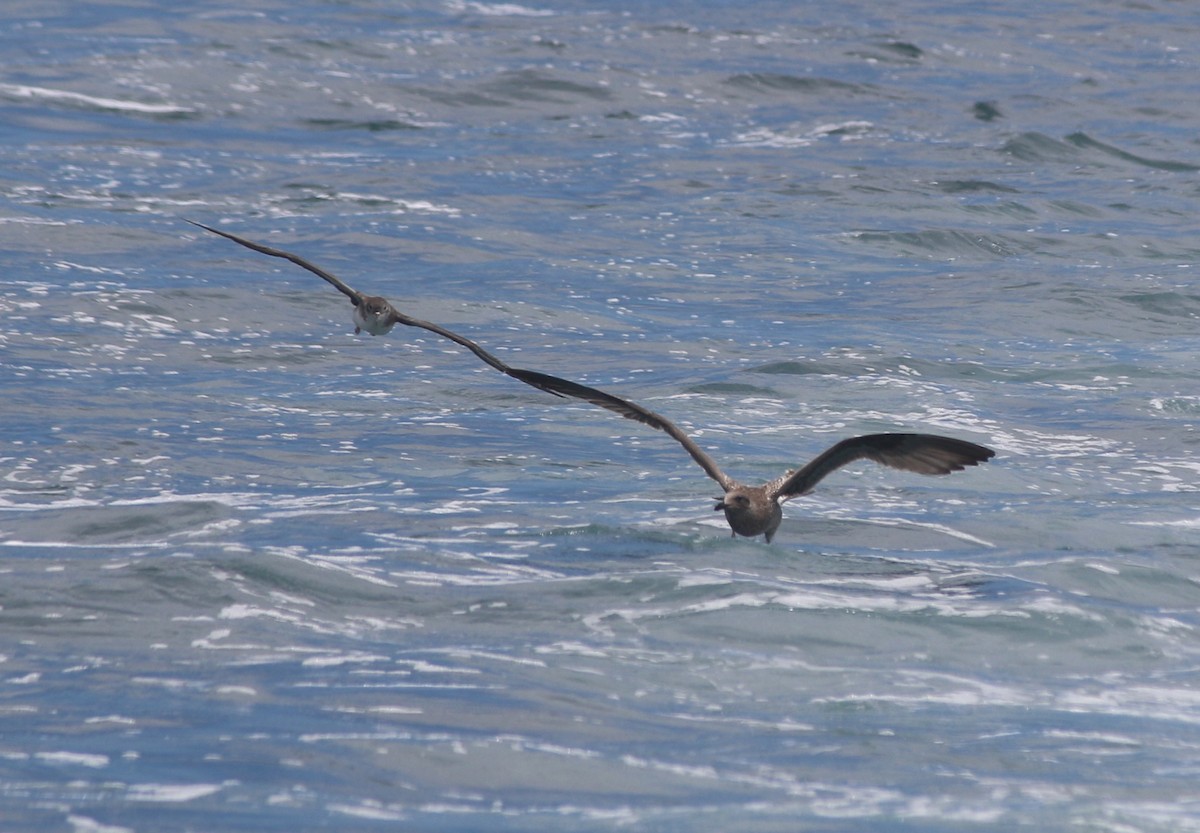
{"x": 260, "y": 574}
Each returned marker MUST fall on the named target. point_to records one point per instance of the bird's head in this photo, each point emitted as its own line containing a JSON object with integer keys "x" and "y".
{"x": 732, "y": 500}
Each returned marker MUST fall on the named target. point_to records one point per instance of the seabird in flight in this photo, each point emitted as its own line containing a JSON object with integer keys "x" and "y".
{"x": 372, "y": 313}
{"x": 376, "y": 315}
{"x": 757, "y": 510}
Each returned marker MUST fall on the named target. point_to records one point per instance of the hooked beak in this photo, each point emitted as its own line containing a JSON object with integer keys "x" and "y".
{"x": 720, "y": 504}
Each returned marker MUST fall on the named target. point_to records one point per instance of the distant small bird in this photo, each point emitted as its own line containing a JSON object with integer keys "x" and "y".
{"x": 757, "y": 510}
{"x": 374, "y": 314}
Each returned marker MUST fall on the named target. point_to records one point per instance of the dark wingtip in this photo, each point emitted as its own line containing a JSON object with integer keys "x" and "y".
{"x": 974, "y": 454}
{"x": 198, "y": 224}
{"x": 962, "y": 459}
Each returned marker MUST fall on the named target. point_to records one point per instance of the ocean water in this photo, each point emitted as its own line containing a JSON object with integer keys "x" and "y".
{"x": 259, "y": 573}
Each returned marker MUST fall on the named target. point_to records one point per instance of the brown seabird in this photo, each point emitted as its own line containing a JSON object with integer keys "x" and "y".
{"x": 757, "y": 510}
{"x": 372, "y": 313}
{"x": 375, "y": 314}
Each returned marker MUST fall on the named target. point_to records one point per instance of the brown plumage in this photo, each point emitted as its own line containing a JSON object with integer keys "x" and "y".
{"x": 757, "y": 510}
{"x": 750, "y": 510}
{"x": 374, "y": 314}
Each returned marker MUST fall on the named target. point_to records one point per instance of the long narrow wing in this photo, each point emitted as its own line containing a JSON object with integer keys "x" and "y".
{"x": 354, "y": 295}
{"x": 487, "y": 357}
{"x": 922, "y": 453}
{"x": 629, "y": 410}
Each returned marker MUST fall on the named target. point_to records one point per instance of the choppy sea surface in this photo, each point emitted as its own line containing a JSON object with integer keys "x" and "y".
{"x": 259, "y": 573}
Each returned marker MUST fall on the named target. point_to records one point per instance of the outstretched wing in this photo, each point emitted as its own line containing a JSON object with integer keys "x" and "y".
{"x": 922, "y": 453}
{"x": 354, "y": 295}
{"x": 629, "y": 410}
{"x": 487, "y": 357}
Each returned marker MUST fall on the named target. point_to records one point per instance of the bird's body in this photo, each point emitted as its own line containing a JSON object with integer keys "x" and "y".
{"x": 374, "y": 315}
{"x": 750, "y": 511}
